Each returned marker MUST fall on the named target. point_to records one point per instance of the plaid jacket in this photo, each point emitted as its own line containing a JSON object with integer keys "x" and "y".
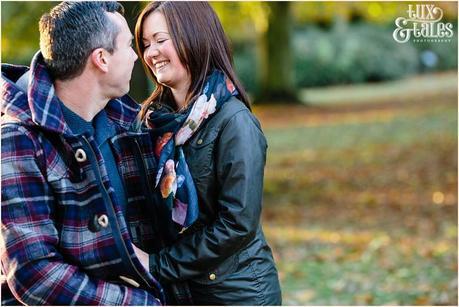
{"x": 64, "y": 238}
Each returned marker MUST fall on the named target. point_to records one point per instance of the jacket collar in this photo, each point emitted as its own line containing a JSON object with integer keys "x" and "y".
{"x": 41, "y": 107}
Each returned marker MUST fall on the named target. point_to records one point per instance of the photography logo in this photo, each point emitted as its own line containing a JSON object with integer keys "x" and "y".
{"x": 423, "y": 24}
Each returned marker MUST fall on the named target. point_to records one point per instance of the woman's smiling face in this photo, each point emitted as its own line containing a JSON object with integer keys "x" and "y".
{"x": 160, "y": 54}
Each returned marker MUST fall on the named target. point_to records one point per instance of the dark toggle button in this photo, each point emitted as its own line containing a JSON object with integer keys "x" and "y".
{"x": 96, "y": 223}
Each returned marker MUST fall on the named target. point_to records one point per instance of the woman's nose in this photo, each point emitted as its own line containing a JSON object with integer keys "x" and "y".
{"x": 152, "y": 51}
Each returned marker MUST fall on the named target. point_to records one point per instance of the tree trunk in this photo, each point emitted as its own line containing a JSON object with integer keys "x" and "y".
{"x": 276, "y": 57}
{"x": 139, "y": 82}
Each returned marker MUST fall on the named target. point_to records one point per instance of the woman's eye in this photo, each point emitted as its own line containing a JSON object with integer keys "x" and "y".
{"x": 146, "y": 46}
{"x": 160, "y": 41}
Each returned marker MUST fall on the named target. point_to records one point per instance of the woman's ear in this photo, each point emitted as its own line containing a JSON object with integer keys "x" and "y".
{"x": 99, "y": 58}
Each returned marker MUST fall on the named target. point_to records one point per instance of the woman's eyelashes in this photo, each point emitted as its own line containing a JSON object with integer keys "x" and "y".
{"x": 156, "y": 43}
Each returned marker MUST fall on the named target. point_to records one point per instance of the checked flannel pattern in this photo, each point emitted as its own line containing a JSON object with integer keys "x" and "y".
{"x": 49, "y": 255}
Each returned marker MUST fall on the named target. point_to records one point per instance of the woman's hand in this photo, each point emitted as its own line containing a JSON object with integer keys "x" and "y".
{"x": 143, "y": 257}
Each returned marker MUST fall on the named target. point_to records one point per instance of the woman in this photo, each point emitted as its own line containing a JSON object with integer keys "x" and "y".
{"x": 205, "y": 128}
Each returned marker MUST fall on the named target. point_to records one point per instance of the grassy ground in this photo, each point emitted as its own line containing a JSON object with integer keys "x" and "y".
{"x": 361, "y": 198}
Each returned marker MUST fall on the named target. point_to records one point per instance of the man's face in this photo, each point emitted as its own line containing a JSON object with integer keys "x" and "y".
{"x": 121, "y": 61}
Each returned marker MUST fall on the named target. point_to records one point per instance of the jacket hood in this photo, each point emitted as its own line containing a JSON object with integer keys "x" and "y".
{"x": 39, "y": 106}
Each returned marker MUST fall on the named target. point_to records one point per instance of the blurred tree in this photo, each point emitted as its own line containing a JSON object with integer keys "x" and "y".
{"x": 269, "y": 25}
{"x": 277, "y": 82}
{"x": 140, "y": 88}
{"x": 260, "y": 31}
{"x": 384, "y": 13}
{"x": 251, "y": 19}
{"x": 20, "y": 36}
{"x": 244, "y": 33}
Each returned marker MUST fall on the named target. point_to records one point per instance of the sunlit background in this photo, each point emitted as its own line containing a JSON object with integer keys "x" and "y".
{"x": 360, "y": 197}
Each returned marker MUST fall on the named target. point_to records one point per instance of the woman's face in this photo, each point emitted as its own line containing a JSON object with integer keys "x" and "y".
{"x": 160, "y": 54}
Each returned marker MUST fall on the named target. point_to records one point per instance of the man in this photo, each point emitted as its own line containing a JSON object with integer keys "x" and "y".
{"x": 74, "y": 177}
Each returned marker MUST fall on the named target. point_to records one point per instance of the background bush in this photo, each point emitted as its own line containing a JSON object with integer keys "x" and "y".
{"x": 351, "y": 53}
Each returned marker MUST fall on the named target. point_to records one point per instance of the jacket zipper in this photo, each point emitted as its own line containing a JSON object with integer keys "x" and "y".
{"x": 112, "y": 210}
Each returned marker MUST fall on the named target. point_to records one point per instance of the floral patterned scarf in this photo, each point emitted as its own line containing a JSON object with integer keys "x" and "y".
{"x": 175, "y": 129}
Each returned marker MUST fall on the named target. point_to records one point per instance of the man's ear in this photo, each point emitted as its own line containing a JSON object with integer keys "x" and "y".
{"x": 99, "y": 58}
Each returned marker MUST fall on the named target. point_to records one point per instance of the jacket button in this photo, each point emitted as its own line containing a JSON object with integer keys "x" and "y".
{"x": 97, "y": 222}
{"x": 130, "y": 281}
{"x": 199, "y": 141}
{"x": 103, "y": 220}
{"x": 80, "y": 155}
{"x": 212, "y": 276}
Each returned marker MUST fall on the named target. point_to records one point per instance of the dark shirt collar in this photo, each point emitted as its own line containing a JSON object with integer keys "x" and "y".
{"x": 100, "y": 127}
{"x": 76, "y": 123}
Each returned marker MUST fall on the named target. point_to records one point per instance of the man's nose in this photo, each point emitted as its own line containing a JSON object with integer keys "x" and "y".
{"x": 135, "y": 55}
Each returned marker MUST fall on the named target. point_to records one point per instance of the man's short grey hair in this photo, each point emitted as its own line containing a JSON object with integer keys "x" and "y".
{"x": 72, "y": 30}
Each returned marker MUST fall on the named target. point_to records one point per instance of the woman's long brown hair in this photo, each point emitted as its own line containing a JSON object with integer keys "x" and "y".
{"x": 201, "y": 45}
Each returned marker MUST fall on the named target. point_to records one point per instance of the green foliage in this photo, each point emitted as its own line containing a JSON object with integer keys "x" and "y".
{"x": 446, "y": 53}
{"x": 20, "y": 36}
{"x": 325, "y": 13}
{"x": 242, "y": 21}
{"x": 348, "y": 53}
{"x": 353, "y": 54}
{"x": 337, "y": 42}
{"x": 244, "y": 63}
{"x": 329, "y": 45}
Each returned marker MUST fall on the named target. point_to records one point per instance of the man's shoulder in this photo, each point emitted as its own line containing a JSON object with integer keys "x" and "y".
{"x": 11, "y": 124}
{"x": 19, "y": 138}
